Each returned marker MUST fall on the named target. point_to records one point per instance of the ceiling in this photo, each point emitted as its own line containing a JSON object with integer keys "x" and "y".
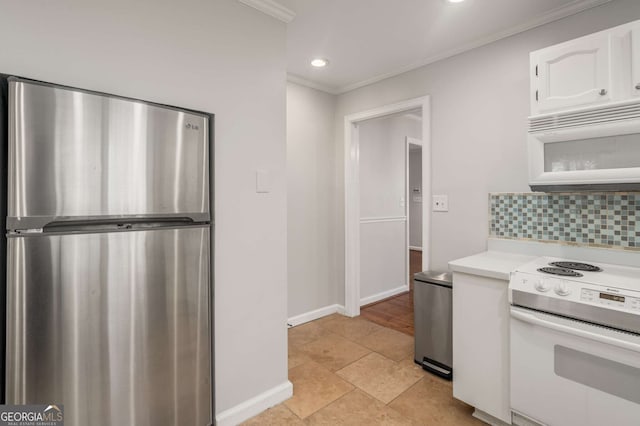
{"x": 368, "y": 40}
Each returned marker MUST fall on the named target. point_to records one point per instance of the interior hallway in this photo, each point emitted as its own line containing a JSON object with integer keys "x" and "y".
{"x": 350, "y": 371}
{"x": 396, "y": 312}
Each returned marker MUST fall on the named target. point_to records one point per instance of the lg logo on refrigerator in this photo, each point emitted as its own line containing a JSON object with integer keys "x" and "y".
{"x": 192, "y": 126}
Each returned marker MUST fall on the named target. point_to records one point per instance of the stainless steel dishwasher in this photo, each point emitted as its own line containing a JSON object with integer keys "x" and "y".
{"x": 432, "y": 311}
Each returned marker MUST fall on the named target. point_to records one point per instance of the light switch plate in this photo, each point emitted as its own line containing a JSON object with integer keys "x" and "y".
{"x": 263, "y": 181}
{"x": 440, "y": 203}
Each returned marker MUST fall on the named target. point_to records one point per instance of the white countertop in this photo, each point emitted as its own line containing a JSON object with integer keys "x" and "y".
{"x": 490, "y": 264}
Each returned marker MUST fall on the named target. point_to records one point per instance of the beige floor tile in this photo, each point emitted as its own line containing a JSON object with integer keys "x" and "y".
{"x": 296, "y": 357}
{"x": 334, "y": 352}
{"x": 380, "y": 377}
{"x": 351, "y": 328}
{"x": 306, "y": 333}
{"x": 390, "y": 343}
{"x": 410, "y": 363}
{"x": 276, "y": 416}
{"x": 431, "y": 402}
{"x": 357, "y": 408}
{"x": 314, "y": 387}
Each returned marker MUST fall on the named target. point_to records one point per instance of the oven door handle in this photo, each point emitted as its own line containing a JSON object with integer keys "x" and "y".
{"x": 535, "y": 320}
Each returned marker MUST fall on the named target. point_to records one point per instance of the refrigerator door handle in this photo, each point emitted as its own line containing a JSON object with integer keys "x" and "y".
{"x": 24, "y": 225}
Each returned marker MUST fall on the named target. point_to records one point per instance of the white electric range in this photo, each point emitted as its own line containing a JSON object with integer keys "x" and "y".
{"x": 575, "y": 343}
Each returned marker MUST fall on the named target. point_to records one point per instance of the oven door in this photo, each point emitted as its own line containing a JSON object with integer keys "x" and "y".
{"x": 566, "y": 372}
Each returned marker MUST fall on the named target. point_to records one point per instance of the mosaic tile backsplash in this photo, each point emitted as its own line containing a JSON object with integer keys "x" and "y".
{"x": 609, "y": 220}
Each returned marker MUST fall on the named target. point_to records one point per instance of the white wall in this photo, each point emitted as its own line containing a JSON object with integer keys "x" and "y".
{"x": 217, "y": 56}
{"x": 480, "y": 102}
{"x": 311, "y": 200}
{"x": 415, "y": 207}
{"x": 383, "y": 245}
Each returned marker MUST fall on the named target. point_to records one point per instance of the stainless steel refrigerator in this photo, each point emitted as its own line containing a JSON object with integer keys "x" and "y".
{"x": 108, "y": 292}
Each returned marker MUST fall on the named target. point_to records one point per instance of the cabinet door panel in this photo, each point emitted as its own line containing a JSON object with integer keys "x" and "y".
{"x": 574, "y": 74}
{"x": 481, "y": 344}
{"x": 635, "y": 60}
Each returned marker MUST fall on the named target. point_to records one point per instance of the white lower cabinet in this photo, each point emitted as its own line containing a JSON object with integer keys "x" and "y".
{"x": 481, "y": 344}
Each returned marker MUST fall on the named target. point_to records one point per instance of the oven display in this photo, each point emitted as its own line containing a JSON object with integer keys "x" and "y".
{"x": 612, "y": 297}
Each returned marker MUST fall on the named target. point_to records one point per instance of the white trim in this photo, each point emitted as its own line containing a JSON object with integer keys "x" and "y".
{"x": 426, "y": 186}
{"x": 414, "y": 141}
{"x": 352, "y": 192}
{"x": 254, "y": 406}
{"x": 383, "y": 219}
{"x": 315, "y": 314}
{"x": 487, "y": 418}
{"x": 293, "y": 78}
{"x": 407, "y": 208}
{"x": 558, "y": 13}
{"x": 409, "y": 141}
{"x": 415, "y": 248}
{"x": 271, "y": 8}
{"x": 384, "y": 295}
{"x": 413, "y": 117}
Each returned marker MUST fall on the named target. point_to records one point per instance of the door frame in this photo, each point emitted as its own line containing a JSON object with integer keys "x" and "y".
{"x": 352, "y": 191}
{"x": 407, "y": 205}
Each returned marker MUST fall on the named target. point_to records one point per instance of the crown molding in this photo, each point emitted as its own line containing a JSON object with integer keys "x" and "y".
{"x": 553, "y": 15}
{"x": 271, "y": 8}
{"x": 293, "y": 78}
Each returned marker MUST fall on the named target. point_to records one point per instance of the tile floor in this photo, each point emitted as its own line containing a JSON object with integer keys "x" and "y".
{"x": 350, "y": 371}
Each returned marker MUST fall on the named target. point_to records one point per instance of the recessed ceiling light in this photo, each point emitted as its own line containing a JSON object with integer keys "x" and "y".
{"x": 319, "y": 62}
{"x": 455, "y": 1}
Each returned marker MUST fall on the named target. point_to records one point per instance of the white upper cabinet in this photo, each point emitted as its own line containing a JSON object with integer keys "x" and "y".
{"x": 635, "y": 61}
{"x": 572, "y": 74}
{"x": 589, "y": 71}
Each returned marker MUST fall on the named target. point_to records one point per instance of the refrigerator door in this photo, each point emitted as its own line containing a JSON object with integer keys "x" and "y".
{"x": 115, "y": 326}
{"x": 77, "y": 155}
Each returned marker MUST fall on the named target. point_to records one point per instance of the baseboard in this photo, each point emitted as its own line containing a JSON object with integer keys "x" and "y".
{"x": 416, "y": 248}
{"x": 383, "y": 295}
{"x": 315, "y": 314}
{"x": 488, "y": 418}
{"x": 256, "y": 405}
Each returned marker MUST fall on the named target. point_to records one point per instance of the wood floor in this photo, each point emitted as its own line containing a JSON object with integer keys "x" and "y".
{"x": 396, "y": 312}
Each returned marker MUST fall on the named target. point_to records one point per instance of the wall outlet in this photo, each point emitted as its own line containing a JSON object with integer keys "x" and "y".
{"x": 440, "y": 203}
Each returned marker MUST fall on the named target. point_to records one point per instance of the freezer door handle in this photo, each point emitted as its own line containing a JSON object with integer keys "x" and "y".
{"x": 40, "y": 224}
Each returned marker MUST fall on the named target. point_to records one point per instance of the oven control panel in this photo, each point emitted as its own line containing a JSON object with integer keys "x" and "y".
{"x": 542, "y": 287}
{"x": 610, "y": 299}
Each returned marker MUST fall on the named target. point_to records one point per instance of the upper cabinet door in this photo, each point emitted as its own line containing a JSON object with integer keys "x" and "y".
{"x": 635, "y": 61}
{"x": 572, "y": 74}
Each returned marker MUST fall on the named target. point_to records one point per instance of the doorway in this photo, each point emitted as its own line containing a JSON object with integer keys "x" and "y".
{"x": 394, "y": 308}
{"x": 375, "y": 213}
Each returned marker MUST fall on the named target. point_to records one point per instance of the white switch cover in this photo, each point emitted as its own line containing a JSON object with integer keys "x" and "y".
{"x": 263, "y": 181}
{"x": 440, "y": 203}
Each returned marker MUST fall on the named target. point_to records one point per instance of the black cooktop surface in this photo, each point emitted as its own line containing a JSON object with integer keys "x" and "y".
{"x": 565, "y": 272}
{"x": 579, "y": 266}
